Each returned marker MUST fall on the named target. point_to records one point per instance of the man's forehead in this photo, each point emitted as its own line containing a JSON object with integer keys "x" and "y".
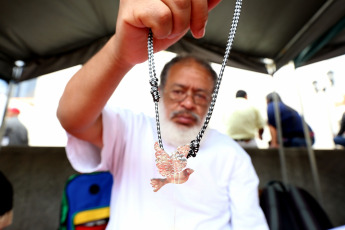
{"x": 189, "y": 63}
{"x": 189, "y": 67}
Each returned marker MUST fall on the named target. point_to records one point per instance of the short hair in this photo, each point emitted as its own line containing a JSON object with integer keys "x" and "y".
{"x": 183, "y": 58}
{"x": 270, "y": 97}
{"x": 241, "y": 93}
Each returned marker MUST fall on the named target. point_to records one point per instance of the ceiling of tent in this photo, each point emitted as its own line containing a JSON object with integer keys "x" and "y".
{"x": 57, "y": 34}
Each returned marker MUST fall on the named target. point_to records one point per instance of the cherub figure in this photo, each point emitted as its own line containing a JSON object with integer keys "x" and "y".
{"x": 171, "y": 167}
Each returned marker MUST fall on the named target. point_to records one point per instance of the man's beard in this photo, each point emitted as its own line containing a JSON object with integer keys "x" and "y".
{"x": 174, "y": 134}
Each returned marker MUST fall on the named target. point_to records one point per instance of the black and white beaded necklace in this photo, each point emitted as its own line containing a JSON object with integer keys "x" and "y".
{"x": 171, "y": 165}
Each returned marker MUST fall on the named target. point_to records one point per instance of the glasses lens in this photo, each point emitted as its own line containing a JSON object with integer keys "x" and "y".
{"x": 199, "y": 98}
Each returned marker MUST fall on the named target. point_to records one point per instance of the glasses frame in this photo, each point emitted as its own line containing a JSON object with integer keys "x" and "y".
{"x": 201, "y": 98}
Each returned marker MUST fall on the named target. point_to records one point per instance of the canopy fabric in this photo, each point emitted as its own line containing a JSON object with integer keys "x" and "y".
{"x": 57, "y": 34}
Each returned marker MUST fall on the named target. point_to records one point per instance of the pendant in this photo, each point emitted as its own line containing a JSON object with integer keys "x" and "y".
{"x": 173, "y": 167}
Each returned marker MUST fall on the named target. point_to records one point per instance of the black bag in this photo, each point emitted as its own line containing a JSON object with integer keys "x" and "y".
{"x": 292, "y": 208}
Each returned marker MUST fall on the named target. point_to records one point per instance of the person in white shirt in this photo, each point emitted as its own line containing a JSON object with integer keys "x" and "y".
{"x": 222, "y": 188}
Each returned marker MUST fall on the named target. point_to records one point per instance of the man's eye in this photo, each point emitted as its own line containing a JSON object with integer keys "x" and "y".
{"x": 177, "y": 92}
{"x": 201, "y": 97}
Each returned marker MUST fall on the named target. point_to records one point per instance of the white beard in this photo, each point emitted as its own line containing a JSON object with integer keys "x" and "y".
{"x": 174, "y": 134}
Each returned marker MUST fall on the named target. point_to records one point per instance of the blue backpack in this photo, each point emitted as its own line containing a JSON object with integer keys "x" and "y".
{"x": 86, "y": 201}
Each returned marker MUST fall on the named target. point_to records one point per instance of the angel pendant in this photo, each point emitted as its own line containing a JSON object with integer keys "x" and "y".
{"x": 171, "y": 167}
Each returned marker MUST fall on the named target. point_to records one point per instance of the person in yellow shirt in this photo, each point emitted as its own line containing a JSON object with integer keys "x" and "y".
{"x": 245, "y": 121}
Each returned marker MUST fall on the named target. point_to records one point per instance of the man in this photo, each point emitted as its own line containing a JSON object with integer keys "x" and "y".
{"x": 291, "y": 123}
{"x": 245, "y": 121}
{"x": 15, "y": 133}
{"x": 221, "y": 193}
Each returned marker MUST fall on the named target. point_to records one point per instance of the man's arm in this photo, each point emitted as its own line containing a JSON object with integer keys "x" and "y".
{"x": 86, "y": 94}
{"x": 274, "y": 138}
{"x": 260, "y": 132}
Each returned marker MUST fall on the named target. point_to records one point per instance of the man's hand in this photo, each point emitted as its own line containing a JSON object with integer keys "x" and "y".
{"x": 169, "y": 21}
{"x": 92, "y": 86}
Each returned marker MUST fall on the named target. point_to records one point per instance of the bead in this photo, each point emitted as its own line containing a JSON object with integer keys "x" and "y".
{"x": 171, "y": 165}
{"x": 164, "y": 162}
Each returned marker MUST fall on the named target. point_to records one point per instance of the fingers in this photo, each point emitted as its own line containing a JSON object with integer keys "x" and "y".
{"x": 181, "y": 12}
{"x": 199, "y": 16}
{"x": 173, "y": 18}
{"x": 155, "y": 15}
{"x": 212, "y": 4}
{"x": 167, "y": 18}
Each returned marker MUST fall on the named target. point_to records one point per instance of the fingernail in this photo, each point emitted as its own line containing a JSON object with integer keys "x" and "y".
{"x": 200, "y": 33}
{"x": 203, "y": 30}
{"x": 171, "y": 36}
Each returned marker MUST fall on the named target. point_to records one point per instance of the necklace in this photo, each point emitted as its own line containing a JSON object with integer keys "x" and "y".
{"x": 172, "y": 167}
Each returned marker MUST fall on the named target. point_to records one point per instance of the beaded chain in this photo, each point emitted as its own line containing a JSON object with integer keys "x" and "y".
{"x": 194, "y": 144}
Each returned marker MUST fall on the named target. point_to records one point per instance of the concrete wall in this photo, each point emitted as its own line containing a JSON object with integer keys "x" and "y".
{"x": 38, "y": 175}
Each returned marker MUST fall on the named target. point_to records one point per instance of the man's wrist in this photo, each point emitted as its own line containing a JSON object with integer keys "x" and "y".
{"x": 116, "y": 58}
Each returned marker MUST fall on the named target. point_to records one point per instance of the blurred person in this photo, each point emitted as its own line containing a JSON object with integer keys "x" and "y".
{"x": 6, "y": 202}
{"x": 291, "y": 123}
{"x": 222, "y": 193}
{"x": 245, "y": 121}
{"x": 339, "y": 139}
{"x": 16, "y": 134}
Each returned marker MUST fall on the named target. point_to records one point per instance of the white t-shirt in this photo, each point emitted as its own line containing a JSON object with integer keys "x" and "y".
{"x": 221, "y": 194}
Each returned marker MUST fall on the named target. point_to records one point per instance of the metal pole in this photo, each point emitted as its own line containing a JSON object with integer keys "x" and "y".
{"x": 271, "y": 68}
{"x": 16, "y": 74}
{"x": 280, "y": 139}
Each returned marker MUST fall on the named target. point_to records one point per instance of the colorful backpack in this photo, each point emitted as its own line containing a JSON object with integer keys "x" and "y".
{"x": 86, "y": 202}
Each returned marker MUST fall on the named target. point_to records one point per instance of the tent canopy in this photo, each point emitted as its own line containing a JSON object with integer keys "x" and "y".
{"x": 57, "y": 34}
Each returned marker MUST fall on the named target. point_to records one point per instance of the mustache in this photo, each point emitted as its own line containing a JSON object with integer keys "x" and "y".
{"x": 185, "y": 112}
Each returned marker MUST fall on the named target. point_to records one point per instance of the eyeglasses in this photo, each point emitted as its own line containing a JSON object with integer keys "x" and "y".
{"x": 199, "y": 98}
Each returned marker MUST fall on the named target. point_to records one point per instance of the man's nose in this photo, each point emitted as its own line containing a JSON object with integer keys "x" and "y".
{"x": 188, "y": 102}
